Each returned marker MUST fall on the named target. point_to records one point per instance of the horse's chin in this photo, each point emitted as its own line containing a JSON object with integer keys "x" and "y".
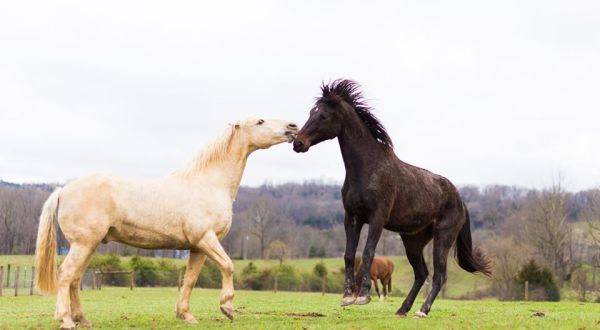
{"x": 302, "y": 149}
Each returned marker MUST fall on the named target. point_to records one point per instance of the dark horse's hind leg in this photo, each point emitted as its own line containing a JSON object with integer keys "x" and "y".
{"x": 352, "y": 227}
{"x": 444, "y": 237}
{"x": 414, "y": 244}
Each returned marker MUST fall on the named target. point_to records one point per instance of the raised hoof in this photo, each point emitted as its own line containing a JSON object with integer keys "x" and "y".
{"x": 347, "y": 301}
{"x": 227, "y": 312}
{"x": 363, "y": 300}
{"x": 420, "y": 314}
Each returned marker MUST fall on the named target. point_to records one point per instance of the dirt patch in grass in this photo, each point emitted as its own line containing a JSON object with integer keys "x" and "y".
{"x": 309, "y": 314}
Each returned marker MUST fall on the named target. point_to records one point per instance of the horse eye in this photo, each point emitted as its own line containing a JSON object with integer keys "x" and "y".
{"x": 260, "y": 122}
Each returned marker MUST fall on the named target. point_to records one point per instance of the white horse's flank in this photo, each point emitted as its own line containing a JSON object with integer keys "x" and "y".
{"x": 189, "y": 209}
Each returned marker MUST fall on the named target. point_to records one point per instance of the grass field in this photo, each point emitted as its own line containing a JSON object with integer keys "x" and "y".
{"x": 154, "y": 308}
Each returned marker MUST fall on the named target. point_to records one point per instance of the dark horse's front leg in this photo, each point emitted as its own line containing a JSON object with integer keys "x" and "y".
{"x": 352, "y": 227}
{"x": 364, "y": 273}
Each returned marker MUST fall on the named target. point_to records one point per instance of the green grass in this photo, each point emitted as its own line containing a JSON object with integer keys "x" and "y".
{"x": 154, "y": 308}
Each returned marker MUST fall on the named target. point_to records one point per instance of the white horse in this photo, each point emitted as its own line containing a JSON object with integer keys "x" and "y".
{"x": 189, "y": 209}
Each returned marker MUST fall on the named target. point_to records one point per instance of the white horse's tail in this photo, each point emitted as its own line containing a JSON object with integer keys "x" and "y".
{"x": 45, "y": 250}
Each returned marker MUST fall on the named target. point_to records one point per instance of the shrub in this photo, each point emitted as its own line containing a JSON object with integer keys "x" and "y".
{"x": 259, "y": 280}
{"x": 287, "y": 278}
{"x": 167, "y": 273}
{"x": 146, "y": 273}
{"x": 542, "y": 286}
{"x": 210, "y": 275}
{"x": 107, "y": 263}
{"x": 250, "y": 269}
{"x": 316, "y": 252}
{"x": 320, "y": 270}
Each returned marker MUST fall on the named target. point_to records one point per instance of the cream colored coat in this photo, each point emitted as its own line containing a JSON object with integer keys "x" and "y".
{"x": 190, "y": 209}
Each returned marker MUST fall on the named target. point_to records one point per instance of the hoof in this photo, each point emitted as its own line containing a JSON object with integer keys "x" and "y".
{"x": 381, "y": 298}
{"x": 346, "y": 301}
{"x": 187, "y": 318}
{"x": 401, "y": 314}
{"x": 67, "y": 325}
{"x": 228, "y": 312}
{"x": 420, "y": 314}
{"x": 363, "y": 300}
{"x": 84, "y": 323}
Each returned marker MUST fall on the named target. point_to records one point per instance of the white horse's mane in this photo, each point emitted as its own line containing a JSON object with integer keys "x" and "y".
{"x": 213, "y": 152}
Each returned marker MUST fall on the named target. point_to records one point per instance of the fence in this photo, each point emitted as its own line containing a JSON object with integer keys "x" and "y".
{"x": 16, "y": 280}
{"x": 19, "y": 280}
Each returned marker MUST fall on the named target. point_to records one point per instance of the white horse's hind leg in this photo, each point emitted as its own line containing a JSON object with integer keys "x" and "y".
{"x": 76, "y": 311}
{"x": 212, "y": 247}
{"x": 70, "y": 270}
{"x": 195, "y": 262}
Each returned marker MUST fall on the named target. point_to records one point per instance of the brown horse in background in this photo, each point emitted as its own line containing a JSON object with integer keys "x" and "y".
{"x": 381, "y": 269}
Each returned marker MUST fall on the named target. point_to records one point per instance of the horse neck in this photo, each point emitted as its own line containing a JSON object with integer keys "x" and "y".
{"x": 359, "y": 148}
{"x": 226, "y": 172}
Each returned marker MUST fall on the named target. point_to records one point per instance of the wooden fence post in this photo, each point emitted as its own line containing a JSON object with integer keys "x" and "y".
{"x": 131, "y": 280}
{"x": 1, "y": 279}
{"x": 323, "y": 284}
{"x": 31, "y": 285}
{"x": 101, "y": 281}
{"x": 93, "y": 279}
{"x": 526, "y": 290}
{"x": 17, "y": 270}
{"x": 179, "y": 279}
{"x": 275, "y": 284}
{"x": 8, "y": 276}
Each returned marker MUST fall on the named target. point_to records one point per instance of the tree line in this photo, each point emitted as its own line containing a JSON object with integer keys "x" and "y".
{"x": 556, "y": 228}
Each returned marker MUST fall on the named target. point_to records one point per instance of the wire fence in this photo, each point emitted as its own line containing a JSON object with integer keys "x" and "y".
{"x": 20, "y": 280}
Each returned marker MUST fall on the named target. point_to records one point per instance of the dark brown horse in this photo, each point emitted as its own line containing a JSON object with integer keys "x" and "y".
{"x": 382, "y": 269}
{"x": 385, "y": 192}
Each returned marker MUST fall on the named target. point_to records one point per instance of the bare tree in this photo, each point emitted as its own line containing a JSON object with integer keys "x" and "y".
{"x": 592, "y": 235}
{"x": 278, "y": 250}
{"x": 546, "y": 216}
{"x": 263, "y": 220}
{"x": 508, "y": 256}
{"x": 12, "y": 211}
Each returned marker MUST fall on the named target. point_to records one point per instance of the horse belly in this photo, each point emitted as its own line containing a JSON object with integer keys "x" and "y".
{"x": 148, "y": 238}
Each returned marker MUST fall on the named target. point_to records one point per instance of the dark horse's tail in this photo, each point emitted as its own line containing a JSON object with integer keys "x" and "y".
{"x": 469, "y": 258}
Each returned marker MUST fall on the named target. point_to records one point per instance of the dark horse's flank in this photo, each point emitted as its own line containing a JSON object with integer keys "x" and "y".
{"x": 385, "y": 192}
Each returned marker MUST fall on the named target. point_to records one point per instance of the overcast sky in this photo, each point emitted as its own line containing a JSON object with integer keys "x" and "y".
{"x": 481, "y": 92}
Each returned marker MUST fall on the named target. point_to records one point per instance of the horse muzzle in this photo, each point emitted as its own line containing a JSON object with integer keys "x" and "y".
{"x": 300, "y": 146}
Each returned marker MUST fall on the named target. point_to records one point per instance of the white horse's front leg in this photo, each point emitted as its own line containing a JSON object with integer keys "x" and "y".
{"x": 212, "y": 247}
{"x": 195, "y": 262}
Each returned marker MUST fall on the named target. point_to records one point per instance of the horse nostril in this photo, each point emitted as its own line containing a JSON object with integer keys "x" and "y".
{"x": 292, "y": 125}
{"x": 297, "y": 144}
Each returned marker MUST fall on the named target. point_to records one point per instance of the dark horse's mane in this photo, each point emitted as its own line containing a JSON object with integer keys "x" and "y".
{"x": 349, "y": 91}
